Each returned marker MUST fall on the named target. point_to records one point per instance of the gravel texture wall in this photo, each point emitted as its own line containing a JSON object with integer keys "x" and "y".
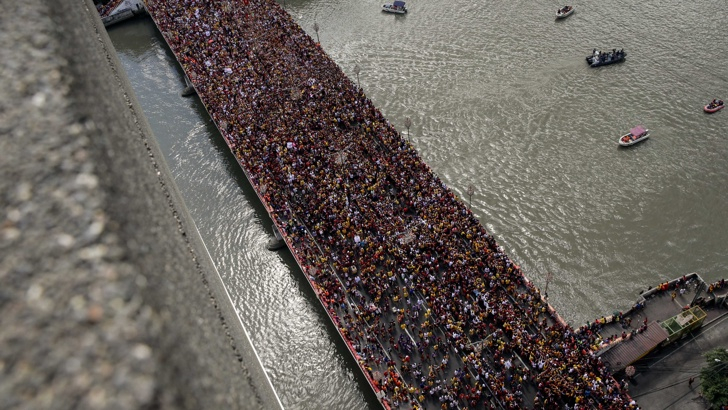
{"x": 107, "y": 297}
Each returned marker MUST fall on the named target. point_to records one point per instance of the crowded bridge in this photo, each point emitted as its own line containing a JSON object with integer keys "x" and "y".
{"x": 434, "y": 311}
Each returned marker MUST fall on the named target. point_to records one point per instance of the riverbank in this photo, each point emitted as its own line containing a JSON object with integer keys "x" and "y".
{"x": 109, "y": 298}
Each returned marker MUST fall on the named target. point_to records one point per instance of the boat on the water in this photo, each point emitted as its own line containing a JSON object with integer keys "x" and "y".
{"x": 115, "y": 11}
{"x": 635, "y": 135}
{"x": 713, "y": 106}
{"x": 565, "y": 12}
{"x": 397, "y": 7}
{"x": 600, "y": 58}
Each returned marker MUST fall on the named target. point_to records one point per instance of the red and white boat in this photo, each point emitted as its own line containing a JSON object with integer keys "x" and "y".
{"x": 713, "y": 106}
{"x": 635, "y": 135}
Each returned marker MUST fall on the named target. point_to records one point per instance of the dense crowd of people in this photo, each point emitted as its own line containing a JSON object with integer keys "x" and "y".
{"x": 717, "y": 285}
{"x": 436, "y": 313}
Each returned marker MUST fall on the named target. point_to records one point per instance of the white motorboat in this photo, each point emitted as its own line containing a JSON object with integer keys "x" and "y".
{"x": 397, "y": 7}
{"x": 635, "y": 135}
{"x": 565, "y": 12}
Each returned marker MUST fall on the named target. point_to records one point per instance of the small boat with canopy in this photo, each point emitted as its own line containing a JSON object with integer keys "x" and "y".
{"x": 635, "y": 135}
{"x": 397, "y": 7}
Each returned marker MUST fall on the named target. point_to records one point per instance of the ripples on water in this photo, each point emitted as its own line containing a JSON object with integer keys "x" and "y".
{"x": 501, "y": 98}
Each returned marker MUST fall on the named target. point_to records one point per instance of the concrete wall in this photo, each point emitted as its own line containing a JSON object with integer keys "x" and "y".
{"x": 107, "y": 298}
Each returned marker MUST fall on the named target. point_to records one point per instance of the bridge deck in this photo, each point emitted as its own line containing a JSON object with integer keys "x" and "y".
{"x": 427, "y": 302}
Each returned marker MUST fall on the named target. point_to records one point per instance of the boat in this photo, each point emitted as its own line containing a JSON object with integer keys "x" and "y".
{"x": 397, "y": 7}
{"x": 276, "y": 242}
{"x": 635, "y": 135}
{"x": 116, "y": 11}
{"x": 565, "y": 12}
{"x": 600, "y": 58}
{"x": 713, "y": 106}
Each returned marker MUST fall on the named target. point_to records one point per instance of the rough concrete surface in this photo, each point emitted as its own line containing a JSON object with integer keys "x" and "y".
{"x": 105, "y": 300}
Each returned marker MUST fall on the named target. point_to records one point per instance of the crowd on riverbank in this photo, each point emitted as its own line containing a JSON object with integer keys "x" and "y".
{"x": 416, "y": 285}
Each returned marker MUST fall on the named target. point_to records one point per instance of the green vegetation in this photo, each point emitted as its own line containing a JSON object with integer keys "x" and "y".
{"x": 714, "y": 377}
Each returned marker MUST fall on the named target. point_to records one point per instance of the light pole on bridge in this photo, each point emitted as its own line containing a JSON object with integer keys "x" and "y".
{"x": 408, "y": 124}
{"x": 316, "y": 29}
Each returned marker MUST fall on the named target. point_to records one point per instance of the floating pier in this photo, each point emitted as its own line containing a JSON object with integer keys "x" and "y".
{"x": 662, "y": 315}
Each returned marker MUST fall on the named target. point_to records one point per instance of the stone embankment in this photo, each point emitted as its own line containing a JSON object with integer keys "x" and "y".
{"x": 108, "y": 299}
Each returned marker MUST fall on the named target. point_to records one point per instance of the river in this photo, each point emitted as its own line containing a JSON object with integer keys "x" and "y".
{"x": 500, "y": 99}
